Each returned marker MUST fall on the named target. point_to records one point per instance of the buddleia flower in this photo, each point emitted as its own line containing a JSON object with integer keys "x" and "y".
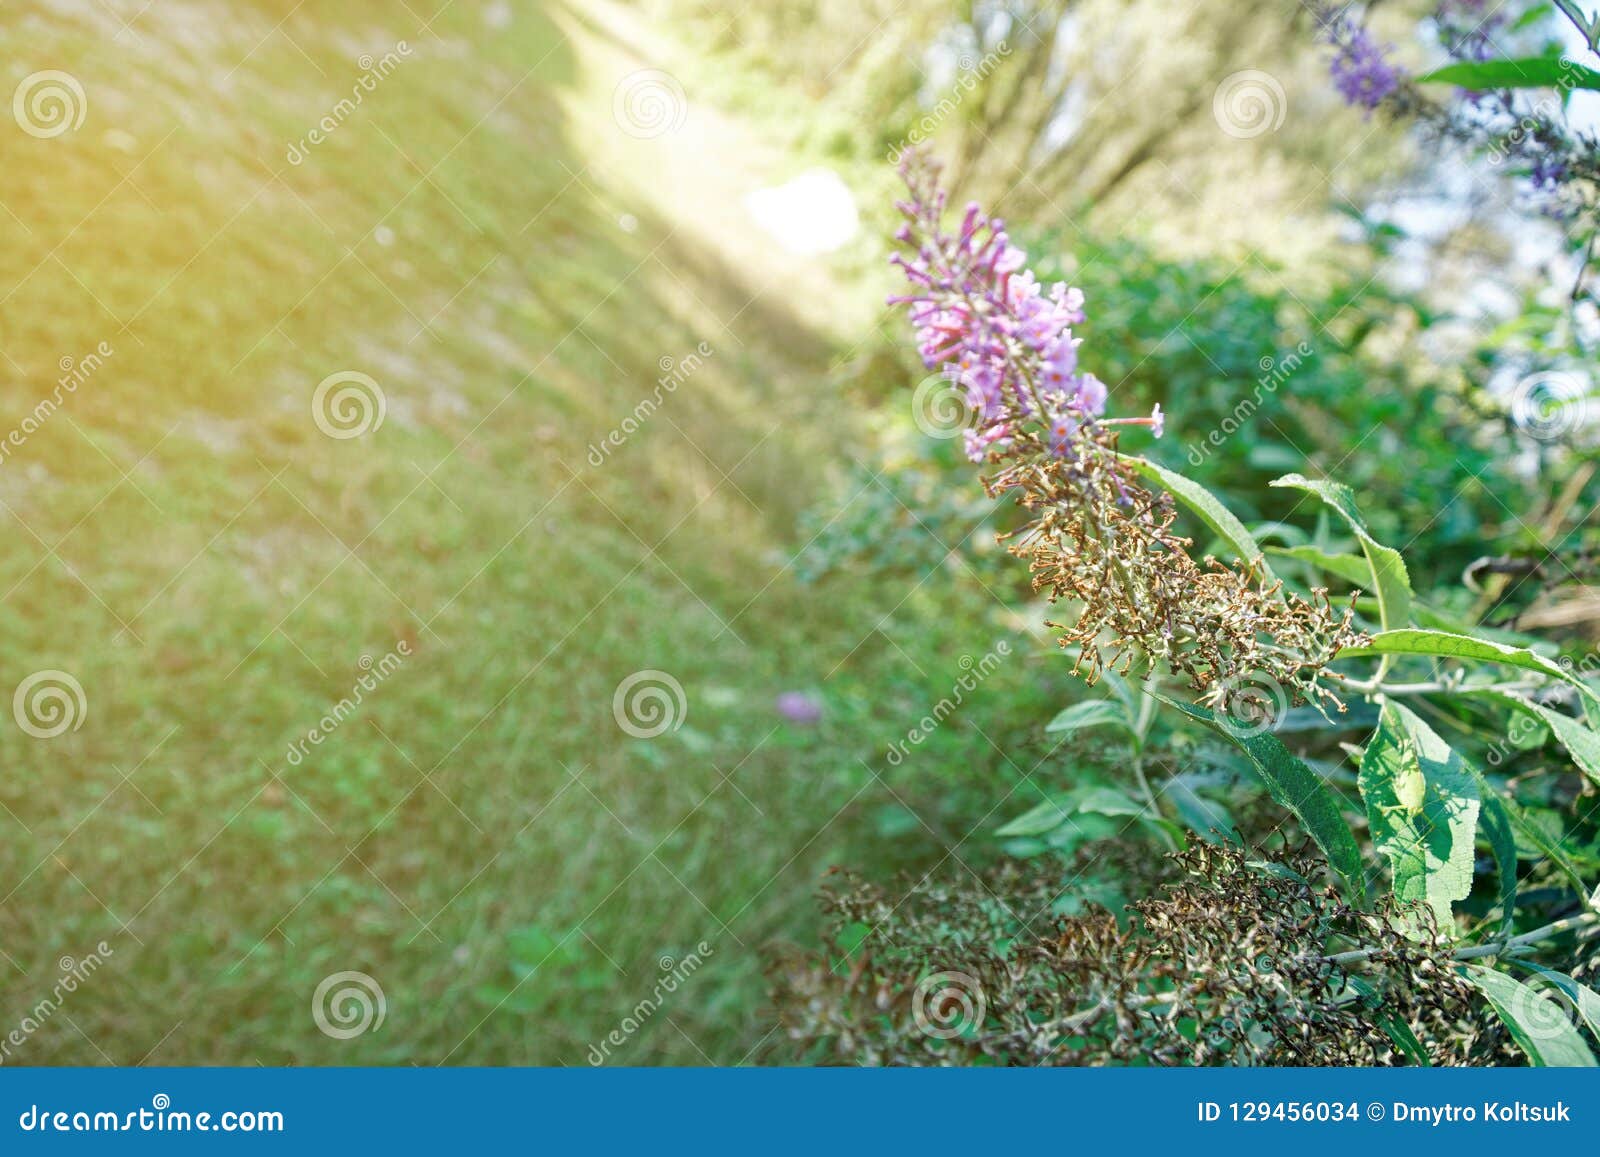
{"x": 1098, "y": 538}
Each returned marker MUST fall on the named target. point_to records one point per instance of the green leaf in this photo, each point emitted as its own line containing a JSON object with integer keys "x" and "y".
{"x": 1112, "y": 802}
{"x": 1496, "y": 824}
{"x": 1295, "y": 786}
{"x": 1207, "y": 818}
{"x": 1540, "y": 1026}
{"x": 1538, "y": 12}
{"x": 1585, "y": 999}
{"x": 1042, "y": 817}
{"x": 1092, "y": 713}
{"x": 1392, "y": 1024}
{"x": 1088, "y": 812}
{"x": 1528, "y": 72}
{"x": 1346, "y": 566}
{"x": 1413, "y": 641}
{"x": 1208, "y": 507}
{"x": 1389, "y": 580}
{"x": 1581, "y": 743}
{"x": 1361, "y": 717}
{"x": 1549, "y": 845}
{"x": 1124, "y": 691}
{"x": 1108, "y": 801}
{"x": 1422, "y": 809}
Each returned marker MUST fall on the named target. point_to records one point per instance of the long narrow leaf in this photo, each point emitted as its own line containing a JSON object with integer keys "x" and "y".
{"x": 1413, "y": 641}
{"x": 1295, "y": 786}
{"x": 1540, "y": 1026}
{"x": 1208, "y": 507}
{"x": 1390, "y": 582}
{"x": 1529, "y": 72}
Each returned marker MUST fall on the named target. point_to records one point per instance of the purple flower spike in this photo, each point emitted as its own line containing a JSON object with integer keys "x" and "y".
{"x": 980, "y": 312}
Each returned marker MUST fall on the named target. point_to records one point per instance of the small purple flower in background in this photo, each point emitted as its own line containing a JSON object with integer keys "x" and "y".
{"x": 1547, "y": 173}
{"x": 1466, "y": 28}
{"x": 800, "y": 707}
{"x": 1360, "y": 69}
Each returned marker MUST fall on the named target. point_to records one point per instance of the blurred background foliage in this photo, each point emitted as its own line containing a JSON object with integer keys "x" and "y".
{"x": 512, "y": 268}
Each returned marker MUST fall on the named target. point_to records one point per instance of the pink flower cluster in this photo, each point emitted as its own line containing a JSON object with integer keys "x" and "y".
{"x": 983, "y": 316}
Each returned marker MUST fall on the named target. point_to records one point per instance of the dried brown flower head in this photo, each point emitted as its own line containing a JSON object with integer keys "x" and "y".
{"x": 1240, "y": 961}
{"x": 1101, "y": 538}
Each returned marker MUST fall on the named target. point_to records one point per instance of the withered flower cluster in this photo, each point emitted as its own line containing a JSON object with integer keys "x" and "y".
{"x": 1098, "y": 536}
{"x": 1104, "y": 541}
{"x": 1239, "y": 962}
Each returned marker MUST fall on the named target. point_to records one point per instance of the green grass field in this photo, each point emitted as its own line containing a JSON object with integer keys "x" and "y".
{"x": 480, "y": 837}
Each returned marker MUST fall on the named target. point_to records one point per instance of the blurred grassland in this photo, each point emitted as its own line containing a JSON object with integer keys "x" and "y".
{"x": 482, "y": 839}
